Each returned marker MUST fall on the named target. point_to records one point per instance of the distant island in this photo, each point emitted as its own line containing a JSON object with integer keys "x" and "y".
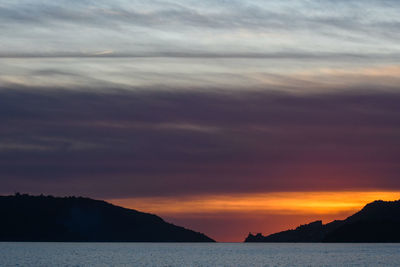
{"x": 77, "y": 219}
{"x": 378, "y": 221}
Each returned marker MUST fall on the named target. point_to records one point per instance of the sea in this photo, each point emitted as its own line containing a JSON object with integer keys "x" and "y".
{"x": 198, "y": 254}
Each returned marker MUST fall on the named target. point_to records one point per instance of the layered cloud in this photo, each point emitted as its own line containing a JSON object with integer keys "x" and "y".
{"x": 191, "y": 27}
{"x": 125, "y": 143}
{"x": 220, "y": 104}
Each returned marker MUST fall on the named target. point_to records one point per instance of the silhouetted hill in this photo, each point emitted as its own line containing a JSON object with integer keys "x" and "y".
{"x": 47, "y": 218}
{"x": 378, "y": 221}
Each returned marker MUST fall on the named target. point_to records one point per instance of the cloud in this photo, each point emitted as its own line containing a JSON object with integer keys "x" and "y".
{"x": 120, "y": 143}
{"x": 240, "y": 27}
{"x": 198, "y": 97}
{"x": 212, "y": 14}
{"x": 293, "y": 55}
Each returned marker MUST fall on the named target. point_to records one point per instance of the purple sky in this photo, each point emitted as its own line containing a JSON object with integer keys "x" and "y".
{"x": 173, "y": 98}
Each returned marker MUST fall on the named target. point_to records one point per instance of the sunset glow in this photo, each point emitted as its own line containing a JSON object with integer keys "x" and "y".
{"x": 287, "y": 209}
{"x": 277, "y": 203}
{"x": 221, "y": 116}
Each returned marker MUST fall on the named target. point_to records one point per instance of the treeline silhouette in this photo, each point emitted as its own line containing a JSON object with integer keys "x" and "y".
{"x": 78, "y": 219}
{"x": 378, "y": 221}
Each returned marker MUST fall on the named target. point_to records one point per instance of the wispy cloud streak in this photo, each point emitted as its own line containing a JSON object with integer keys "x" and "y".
{"x": 240, "y": 27}
{"x": 129, "y": 143}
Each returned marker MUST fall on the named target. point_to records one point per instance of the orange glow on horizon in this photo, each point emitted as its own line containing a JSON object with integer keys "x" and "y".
{"x": 288, "y": 203}
{"x": 229, "y": 218}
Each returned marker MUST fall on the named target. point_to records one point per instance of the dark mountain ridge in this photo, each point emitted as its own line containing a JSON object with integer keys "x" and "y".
{"x": 378, "y": 221}
{"x": 78, "y": 219}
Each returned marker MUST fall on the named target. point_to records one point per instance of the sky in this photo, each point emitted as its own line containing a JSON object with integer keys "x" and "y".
{"x": 226, "y": 117}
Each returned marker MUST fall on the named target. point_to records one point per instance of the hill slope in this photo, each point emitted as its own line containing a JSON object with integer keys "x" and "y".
{"x": 47, "y": 218}
{"x": 378, "y": 221}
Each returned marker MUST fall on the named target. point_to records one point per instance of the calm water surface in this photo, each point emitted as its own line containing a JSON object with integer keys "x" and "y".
{"x": 173, "y": 254}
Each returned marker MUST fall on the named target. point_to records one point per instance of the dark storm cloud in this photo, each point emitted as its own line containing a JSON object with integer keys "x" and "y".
{"x": 158, "y": 142}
